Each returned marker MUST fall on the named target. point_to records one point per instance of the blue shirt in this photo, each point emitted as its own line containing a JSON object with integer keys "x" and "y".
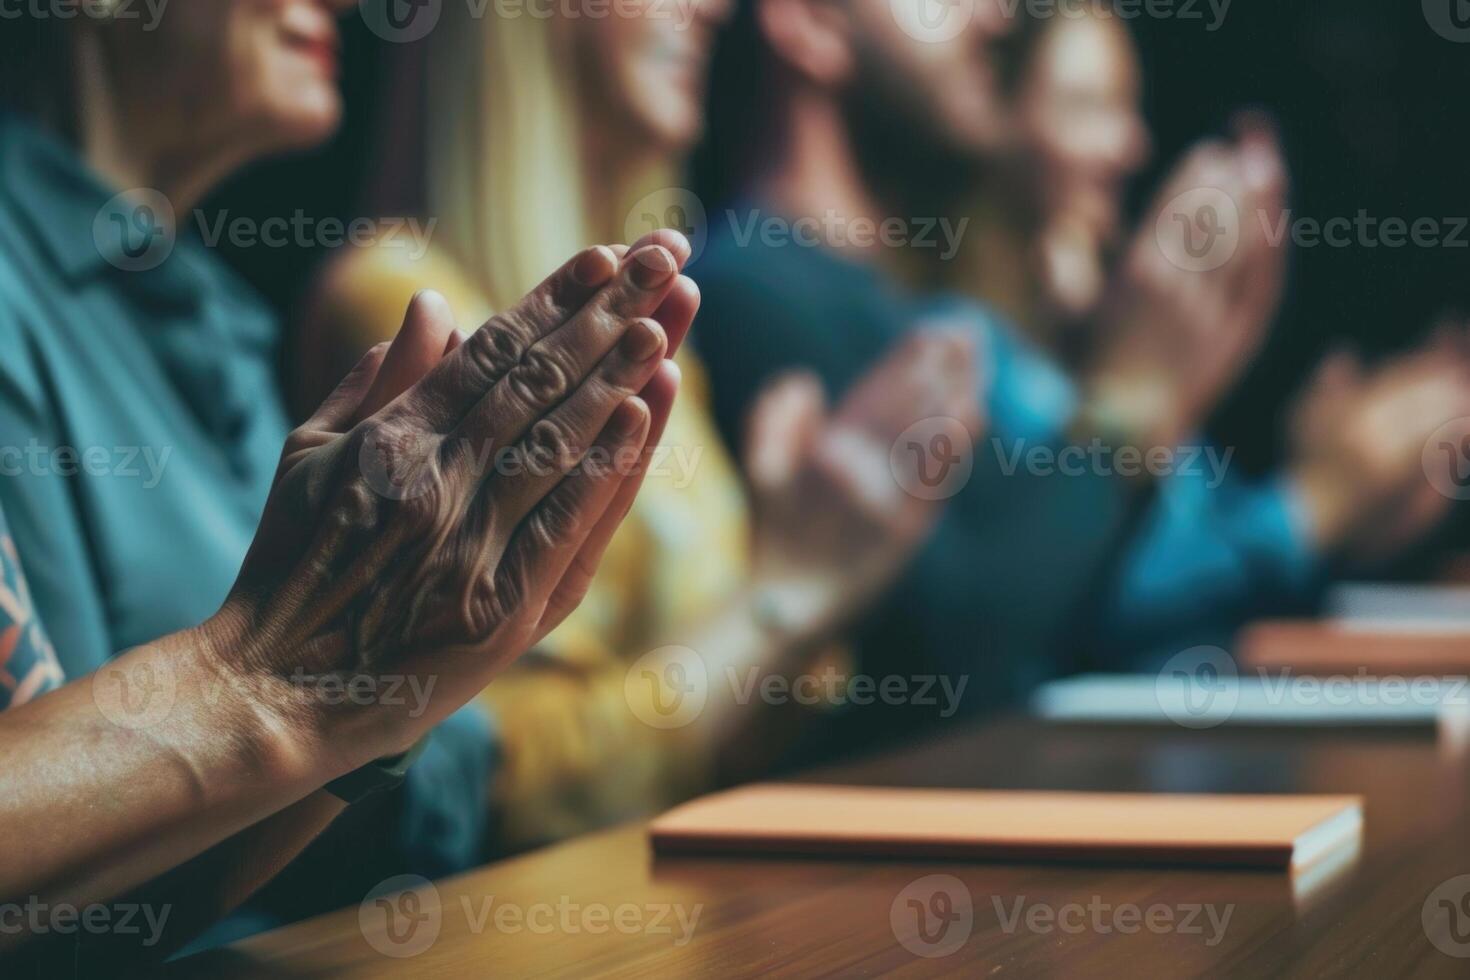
{"x": 1214, "y": 549}
{"x": 140, "y": 428}
{"x": 1018, "y": 556}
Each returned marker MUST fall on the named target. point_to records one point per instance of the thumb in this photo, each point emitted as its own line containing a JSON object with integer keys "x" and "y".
{"x": 428, "y": 334}
{"x": 787, "y": 416}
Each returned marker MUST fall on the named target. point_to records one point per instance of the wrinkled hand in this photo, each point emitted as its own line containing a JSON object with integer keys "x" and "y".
{"x": 1199, "y": 285}
{"x": 436, "y": 532}
{"x": 833, "y": 522}
{"x": 1358, "y": 447}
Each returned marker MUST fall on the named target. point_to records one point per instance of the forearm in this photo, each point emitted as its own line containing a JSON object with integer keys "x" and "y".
{"x": 178, "y": 906}
{"x": 639, "y": 728}
{"x": 154, "y": 759}
{"x": 749, "y": 656}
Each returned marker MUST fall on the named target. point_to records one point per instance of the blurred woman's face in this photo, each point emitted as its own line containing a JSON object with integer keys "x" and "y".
{"x": 262, "y": 70}
{"x": 647, "y": 65}
{"x": 1080, "y": 121}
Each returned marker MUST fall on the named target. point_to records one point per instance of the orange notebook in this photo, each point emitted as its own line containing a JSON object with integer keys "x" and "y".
{"x": 1310, "y": 647}
{"x": 1246, "y": 831}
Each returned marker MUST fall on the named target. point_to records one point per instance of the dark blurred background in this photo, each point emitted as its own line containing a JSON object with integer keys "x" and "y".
{"x": 1367, "y": 96}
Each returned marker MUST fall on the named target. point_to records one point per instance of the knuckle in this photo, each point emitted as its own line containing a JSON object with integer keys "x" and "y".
{"x": 357, "y": 508}
{"x": 556, "y": 520}
{"x": 542, "y": 377}
{"x": 549, "y": 445}
{"x": 298, "y": 441}
{"x": 494, "y": 598}
{"x": 430, "y": 510}
{"x": 497, "y": 347}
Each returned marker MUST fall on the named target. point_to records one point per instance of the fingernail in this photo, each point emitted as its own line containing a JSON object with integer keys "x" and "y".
{"x": 642, "y": 340}
{"x": 649, "y": 267}
{"x": 594, "y": 266}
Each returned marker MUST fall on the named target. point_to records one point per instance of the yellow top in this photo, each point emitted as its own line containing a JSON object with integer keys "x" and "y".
{"x": 575, "y": 754}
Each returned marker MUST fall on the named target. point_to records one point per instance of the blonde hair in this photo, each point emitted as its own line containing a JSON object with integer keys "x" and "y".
{"x": 505, "y": 166}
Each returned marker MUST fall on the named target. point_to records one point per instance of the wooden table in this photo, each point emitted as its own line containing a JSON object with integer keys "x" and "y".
{"x": 846, "y": 918}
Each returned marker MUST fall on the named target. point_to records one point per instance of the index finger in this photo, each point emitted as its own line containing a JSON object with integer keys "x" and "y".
{"x": 462, "y": 378}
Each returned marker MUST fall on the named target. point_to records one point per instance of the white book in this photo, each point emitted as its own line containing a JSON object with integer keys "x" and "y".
{"x": 1269, "y": 700}
{"x": 1392, "y": 607}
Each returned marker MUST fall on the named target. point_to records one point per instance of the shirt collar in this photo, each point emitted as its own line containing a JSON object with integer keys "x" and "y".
{"x": 60, "y": 198}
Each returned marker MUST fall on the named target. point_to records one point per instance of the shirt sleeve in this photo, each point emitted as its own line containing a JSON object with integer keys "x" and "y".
{"x": 28, "y": 665}
{"x": 1214, "y": 551}
{"x": 44, "y": 527}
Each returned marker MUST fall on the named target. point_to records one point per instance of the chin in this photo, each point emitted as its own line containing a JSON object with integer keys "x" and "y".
{"x": 676, "y": 130}
{"x": 308, "y": 121}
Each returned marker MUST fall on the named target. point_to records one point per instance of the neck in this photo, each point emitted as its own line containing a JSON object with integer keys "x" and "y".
{"x": 132, "y": 144}
{"x": 816, "y": 169}
{"x": 611, "y": 169}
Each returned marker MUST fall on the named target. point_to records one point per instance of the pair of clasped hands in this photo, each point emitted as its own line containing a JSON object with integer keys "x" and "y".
{"x": 468, "y": 565}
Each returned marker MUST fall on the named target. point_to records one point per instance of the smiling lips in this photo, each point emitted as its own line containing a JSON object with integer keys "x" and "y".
{"x": 315, "y": 37}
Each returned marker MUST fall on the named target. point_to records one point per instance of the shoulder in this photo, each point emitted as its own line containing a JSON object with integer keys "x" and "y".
{"x": 362, "y": 293}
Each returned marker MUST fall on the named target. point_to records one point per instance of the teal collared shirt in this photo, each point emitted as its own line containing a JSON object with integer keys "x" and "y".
{"x": 140, "y": 417}
{"x": 140, "y": 426}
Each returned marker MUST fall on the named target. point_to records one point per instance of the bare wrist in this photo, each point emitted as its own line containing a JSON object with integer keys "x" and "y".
{"x": 282, "y": 729}
{"x": 1140, "y": 409}
{"x": 1328, "y": 505}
